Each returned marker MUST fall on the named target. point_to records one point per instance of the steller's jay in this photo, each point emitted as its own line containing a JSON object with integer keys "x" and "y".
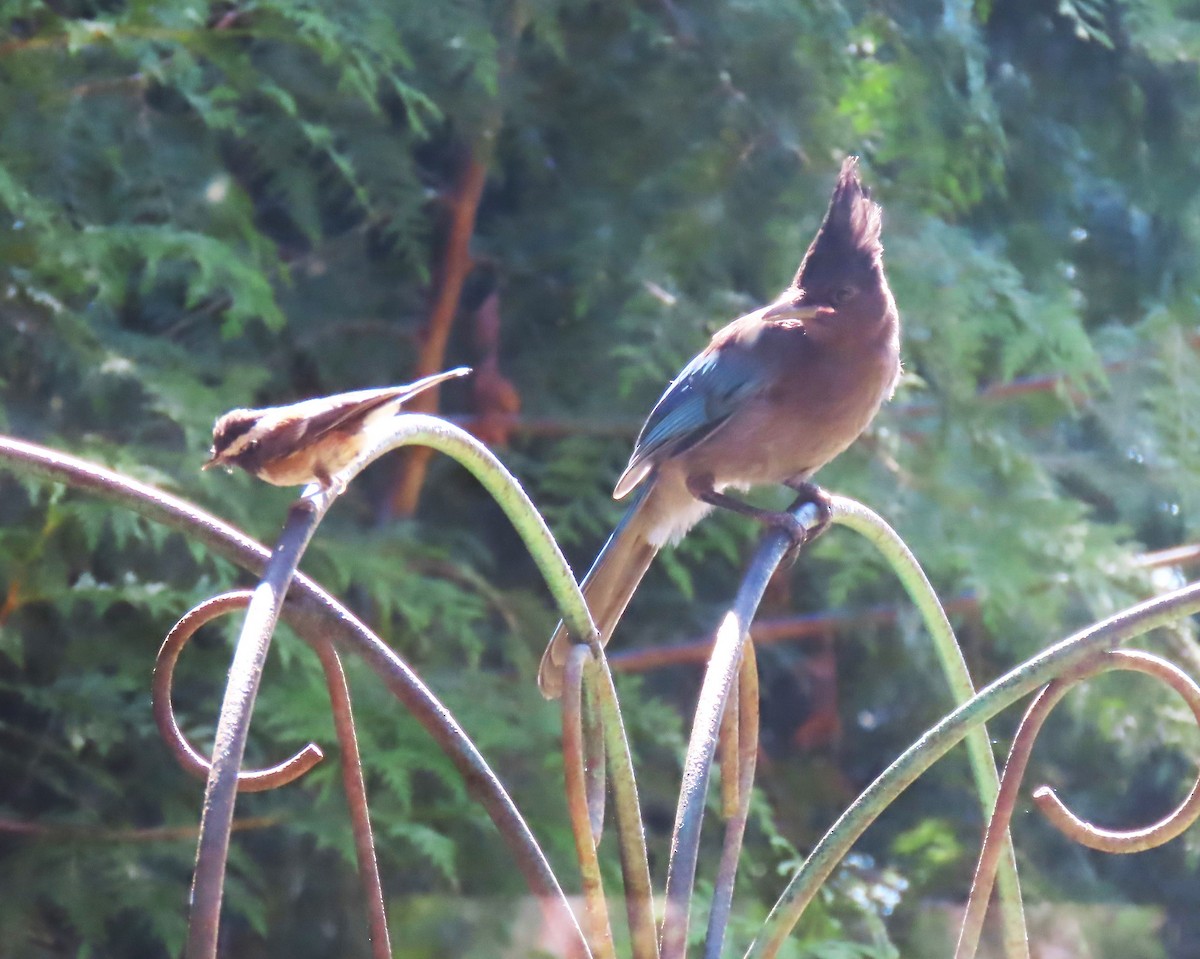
{"x": 776, "y": 395}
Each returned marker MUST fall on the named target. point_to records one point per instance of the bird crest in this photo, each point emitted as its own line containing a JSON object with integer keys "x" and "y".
{"x": 850, "y": 229}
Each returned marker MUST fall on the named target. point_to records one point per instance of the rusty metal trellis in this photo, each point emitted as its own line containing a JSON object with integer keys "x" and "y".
{"x": 595, "y": 750}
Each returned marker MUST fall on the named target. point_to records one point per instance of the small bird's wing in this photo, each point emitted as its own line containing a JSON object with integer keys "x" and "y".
{"x": 703, "y": 396}
{"x": 332, "y": 412}
{"x": 355, "y": 406}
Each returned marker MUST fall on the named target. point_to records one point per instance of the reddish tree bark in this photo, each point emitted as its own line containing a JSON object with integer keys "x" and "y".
{"x": 431, "y": 357}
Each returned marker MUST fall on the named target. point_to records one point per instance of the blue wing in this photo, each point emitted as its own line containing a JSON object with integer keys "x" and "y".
{"x": 703, "y": 396}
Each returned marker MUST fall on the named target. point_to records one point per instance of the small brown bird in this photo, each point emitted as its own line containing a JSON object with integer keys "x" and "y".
{"x": 311, "y": 441}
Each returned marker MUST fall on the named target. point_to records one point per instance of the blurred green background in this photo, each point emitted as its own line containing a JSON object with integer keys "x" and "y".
{"x": 205, "y": 206}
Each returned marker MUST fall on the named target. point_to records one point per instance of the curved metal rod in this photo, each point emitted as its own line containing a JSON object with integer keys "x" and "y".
{"x": 419, "y": 429}
{"x": 1171, "y": 825}
{"x": 1006, "y": 800}
{"x": 191, "y": 759}
{"x": 595, "y": 759}
{"x": 233, "y": 722}
{"x": 311, "y": 600}
{"x": 1031, "y": 675}
{"x": 729, "y": 750}
{"x": 719, "y": 678}
{"x": 746, "y": 739}
{"x": 575, "y": 775}
{"x": 297, "y": 765}
{"x": 1074, "y": 828}
{"x": 355, "y": 787}
{"x": 870, "y": 525}
{"x": 627, "y": 810}
{"x": 304, "y": 516}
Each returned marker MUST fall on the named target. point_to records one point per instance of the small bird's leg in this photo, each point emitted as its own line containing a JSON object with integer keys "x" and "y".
{"x": 701, "y": 487}
{"x": 329, "y": 485}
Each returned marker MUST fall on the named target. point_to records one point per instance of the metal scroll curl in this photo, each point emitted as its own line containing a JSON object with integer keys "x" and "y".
{"x": 1088, "y": 834}
{"x": 190, "y": 758}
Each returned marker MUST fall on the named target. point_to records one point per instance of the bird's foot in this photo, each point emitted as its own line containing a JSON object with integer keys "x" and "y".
{"x": 796, "y": 532}
{"x": 325, "y": 487}
{"x": 800, "y": 532}
{"x": 812, "y": 493}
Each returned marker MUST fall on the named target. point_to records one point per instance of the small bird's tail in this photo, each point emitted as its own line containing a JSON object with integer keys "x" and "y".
{"x": 608, "y": 585}
{"x": 425, "y": 382}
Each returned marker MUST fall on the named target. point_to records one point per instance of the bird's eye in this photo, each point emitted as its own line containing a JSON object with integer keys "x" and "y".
{"x": 844, "y": 295}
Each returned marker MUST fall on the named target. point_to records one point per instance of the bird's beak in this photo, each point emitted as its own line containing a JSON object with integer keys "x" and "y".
{"x": 793, "y": 305}
{"x": 210, "y": 462}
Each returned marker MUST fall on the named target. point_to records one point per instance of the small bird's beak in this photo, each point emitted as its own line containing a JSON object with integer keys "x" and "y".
{"x": 210, "y": 462}
{"x": 792, "y": 305}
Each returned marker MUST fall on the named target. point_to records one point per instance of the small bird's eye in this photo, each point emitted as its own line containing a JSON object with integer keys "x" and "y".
{"x": 844, "y": 295}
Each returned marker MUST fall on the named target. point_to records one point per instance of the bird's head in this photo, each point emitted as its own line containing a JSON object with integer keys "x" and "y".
{"x": 231, "y": 437}
{"x": 840, "y": 285}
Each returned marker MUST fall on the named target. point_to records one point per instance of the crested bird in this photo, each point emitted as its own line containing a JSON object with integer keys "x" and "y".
{"x": 313, "y": 440}
{"x": 775, "y": 395}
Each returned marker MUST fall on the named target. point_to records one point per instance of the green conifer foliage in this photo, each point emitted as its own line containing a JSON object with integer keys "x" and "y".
{"x": 238, "y": 204}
